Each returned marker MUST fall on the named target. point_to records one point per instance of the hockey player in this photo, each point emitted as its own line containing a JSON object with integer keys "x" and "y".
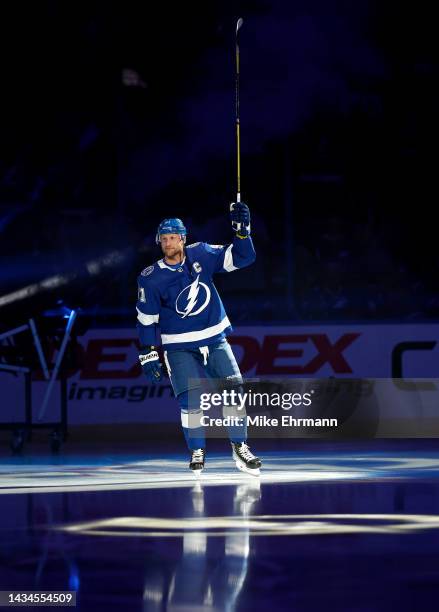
{"x": 178, "y": 295}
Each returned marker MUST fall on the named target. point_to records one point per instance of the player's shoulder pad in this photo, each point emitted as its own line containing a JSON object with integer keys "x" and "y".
{"x": 147, "y": 271}
{"x": 196, "y": 249}
{"x": 213, "y": 248}
{"x": 147, "y": 275}
{"x": 199, "y": 249}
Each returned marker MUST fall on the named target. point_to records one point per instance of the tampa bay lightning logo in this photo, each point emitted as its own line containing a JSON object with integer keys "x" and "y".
{"x": 193, "y": 299}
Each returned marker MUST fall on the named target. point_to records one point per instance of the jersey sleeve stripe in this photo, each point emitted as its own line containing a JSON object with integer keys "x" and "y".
{"x": 146, "y": 319}
{"x": 228, "y": 260}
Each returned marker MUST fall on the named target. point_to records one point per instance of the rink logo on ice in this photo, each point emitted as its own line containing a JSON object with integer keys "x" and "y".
{"x": 193, "y": 299}
{"x": 260, "y": 525}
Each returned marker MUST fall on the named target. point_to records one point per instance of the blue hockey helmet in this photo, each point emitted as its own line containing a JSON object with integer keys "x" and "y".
{"x": 171, "y": 226}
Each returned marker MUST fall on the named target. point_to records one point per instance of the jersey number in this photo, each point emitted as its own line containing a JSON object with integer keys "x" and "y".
{"x": 141, "y": 294}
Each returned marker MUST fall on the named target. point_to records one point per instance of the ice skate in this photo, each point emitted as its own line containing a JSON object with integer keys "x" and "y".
{"x": 245, "y": 460}
{"x": 197, "y": 461}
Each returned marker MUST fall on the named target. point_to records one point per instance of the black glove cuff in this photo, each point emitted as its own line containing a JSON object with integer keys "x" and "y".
{"x": 146, "y": 349}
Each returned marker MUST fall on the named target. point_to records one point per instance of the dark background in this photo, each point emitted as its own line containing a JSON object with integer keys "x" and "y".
{"x": 116, "y": 116}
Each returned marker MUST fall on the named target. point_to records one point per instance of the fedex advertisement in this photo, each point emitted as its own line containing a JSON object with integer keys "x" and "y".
{"x": 108, "y": 386}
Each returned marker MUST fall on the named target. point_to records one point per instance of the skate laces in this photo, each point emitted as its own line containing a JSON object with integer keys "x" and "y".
{"x": 198, "y": 455}
{"x": 245, "y": 452}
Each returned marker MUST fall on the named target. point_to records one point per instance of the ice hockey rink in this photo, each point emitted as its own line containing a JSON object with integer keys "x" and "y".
{"x": 326, "y": 526}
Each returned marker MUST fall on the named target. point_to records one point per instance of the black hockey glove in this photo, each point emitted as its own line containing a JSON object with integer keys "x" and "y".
{"x": 151, "y": 366}
{"x": 240, "y": 216}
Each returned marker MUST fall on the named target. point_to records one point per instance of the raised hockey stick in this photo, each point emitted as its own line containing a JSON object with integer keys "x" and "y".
{"x": 235, "y": 224}
{"x": 238, "y": 139}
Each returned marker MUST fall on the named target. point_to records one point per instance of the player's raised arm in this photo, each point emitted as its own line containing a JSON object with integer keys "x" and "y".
{"x": 241, "y": 252}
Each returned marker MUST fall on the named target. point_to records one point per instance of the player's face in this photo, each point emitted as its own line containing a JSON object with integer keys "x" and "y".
{"x": 172, "y": 245}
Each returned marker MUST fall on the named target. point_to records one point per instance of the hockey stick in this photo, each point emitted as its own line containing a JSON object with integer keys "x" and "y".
{"x": 238, "y": 140}
{"x": 235, "y": 224}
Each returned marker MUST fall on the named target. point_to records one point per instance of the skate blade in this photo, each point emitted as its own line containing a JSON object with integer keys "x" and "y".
{"x": 246, "y": 470}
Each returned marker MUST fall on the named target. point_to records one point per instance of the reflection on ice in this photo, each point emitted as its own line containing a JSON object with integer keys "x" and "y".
{"x": 166, "y": 473}
{"x": 195, "y": 582}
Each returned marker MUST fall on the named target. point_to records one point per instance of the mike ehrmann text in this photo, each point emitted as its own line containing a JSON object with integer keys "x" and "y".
{"x": 264, "y": 421}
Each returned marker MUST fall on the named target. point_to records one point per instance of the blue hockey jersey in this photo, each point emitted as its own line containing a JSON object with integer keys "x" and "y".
{"x": 183, "y": 301}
